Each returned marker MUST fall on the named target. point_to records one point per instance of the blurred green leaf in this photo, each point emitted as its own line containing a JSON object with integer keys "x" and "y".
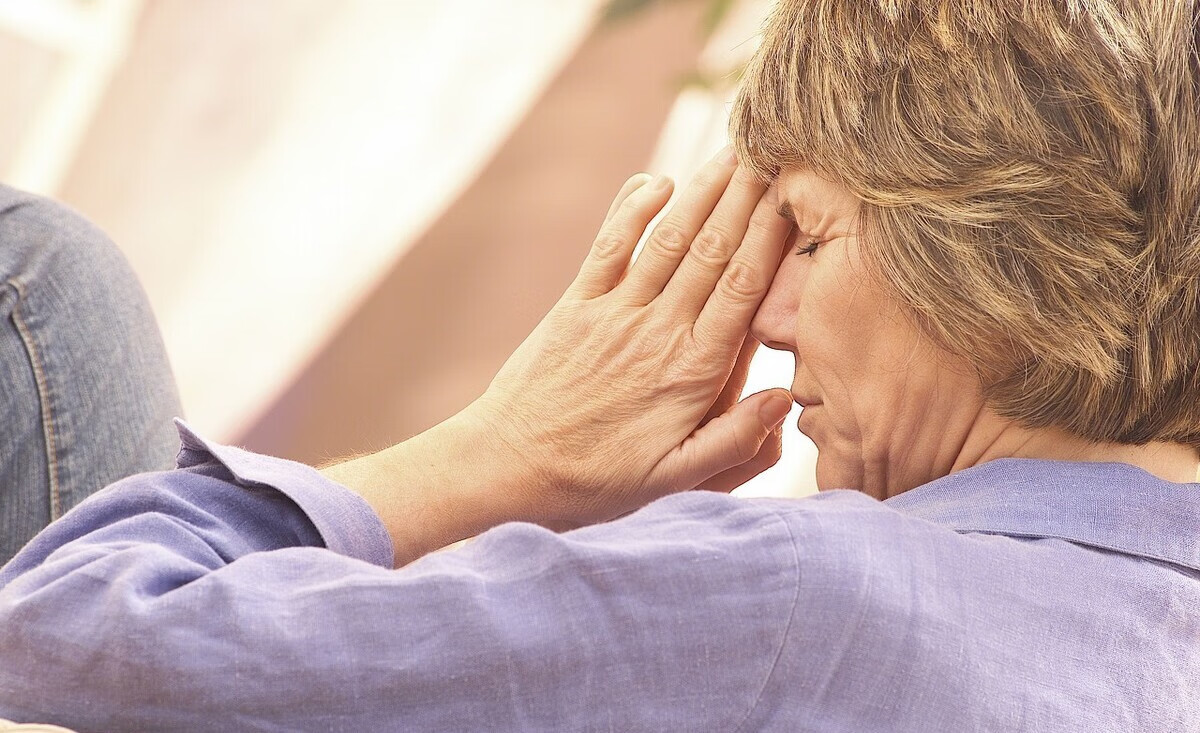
{"x": 714, "y": 14}
{"x": 617, "y": 10}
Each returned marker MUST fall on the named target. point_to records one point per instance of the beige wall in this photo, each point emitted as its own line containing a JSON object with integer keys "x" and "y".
{"x": 28, "y": 69}
{"x": 347, "y": 214}
{"x": 443, "y": 320}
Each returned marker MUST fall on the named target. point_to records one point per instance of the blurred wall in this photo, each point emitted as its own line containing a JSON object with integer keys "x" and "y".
{"x": 29, "y": 69}
{"x": 347, "y": 214}
{"x": 264, "y": 164}
{"x": 443, "y": 320}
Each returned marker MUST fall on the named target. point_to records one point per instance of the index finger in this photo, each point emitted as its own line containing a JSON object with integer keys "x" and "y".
{"x": 727, "y": 314}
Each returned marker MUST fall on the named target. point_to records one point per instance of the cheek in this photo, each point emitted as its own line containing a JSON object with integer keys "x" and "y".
{"x": 835, "y": 327}
{"x": 857, "y": 351}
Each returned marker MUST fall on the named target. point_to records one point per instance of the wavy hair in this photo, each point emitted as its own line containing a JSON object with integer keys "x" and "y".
{"x": 1030, "y": 178}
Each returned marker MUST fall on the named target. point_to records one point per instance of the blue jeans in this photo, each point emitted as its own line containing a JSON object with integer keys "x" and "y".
{"x": 86, "y": 392}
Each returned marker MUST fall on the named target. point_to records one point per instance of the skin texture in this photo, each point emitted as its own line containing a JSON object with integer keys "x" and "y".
{"x": 887, "y": 409}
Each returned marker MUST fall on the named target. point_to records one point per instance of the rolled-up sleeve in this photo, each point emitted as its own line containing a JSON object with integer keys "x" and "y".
{"x": 242, "y": 591}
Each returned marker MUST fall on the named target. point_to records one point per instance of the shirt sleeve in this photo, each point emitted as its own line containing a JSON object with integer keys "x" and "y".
{"x": 242, "y": 591}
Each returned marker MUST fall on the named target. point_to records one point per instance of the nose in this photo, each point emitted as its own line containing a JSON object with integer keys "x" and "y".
{"x": 775, "y": 322}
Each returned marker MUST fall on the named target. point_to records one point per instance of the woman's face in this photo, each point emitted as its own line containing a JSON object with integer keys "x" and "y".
{"x": 886, "y": 408}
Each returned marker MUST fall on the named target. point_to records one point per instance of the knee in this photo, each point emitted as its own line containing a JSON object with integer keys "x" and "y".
{"x": 44, "y": 243}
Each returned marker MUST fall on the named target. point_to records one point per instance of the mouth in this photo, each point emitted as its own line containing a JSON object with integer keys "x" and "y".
{"x": 805, "y": 401}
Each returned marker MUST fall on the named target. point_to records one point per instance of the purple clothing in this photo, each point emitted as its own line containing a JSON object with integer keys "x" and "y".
{"x": 245, "y": 592}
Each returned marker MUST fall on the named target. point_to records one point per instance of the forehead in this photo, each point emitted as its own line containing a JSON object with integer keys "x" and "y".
{"x": 807, "y": 197}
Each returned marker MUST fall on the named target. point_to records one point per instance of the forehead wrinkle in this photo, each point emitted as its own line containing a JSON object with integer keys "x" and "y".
{"x": 816, "y": 218}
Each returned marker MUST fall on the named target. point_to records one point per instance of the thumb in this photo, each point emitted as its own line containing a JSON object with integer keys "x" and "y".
{"x": 728, "y": 440}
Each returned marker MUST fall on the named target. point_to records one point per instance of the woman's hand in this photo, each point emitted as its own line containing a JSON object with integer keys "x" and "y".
{"x": 625, "y": 392}
{"x": 628, "y": 389}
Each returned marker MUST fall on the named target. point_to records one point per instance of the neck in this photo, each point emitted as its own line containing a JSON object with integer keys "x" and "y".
{"x": 994, "y": 437}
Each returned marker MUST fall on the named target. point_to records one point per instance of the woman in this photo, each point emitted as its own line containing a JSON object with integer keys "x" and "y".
{"x": 992, "y": 300}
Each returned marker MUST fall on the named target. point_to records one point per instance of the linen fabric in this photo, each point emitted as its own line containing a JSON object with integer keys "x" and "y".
{"x": 247, "y": 592}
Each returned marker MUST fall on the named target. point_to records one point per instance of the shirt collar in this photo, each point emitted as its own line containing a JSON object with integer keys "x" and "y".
{"x": 1112, "y": 506}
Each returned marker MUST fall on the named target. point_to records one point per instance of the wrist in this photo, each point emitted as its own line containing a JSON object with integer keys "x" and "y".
{"x": 453, "y": 481}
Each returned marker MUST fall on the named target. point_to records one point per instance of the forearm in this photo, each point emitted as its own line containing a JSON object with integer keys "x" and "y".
{"x": 449, "y": 483}
{"x": 160, "y": 596}
{"x": 149, "y": 600}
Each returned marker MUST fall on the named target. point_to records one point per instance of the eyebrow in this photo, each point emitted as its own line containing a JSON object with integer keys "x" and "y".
{"x": 785, "y": 210}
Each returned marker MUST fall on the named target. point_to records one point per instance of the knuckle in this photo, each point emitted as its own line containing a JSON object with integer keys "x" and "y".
{"x": 761, "y": 224}
{"x": 776, "y": 449}
{"x": 708, "y": 175}
{"x": 740, "y": 281}
{"x": 745, "y": 444}
{"x": 608, "y": 246}
{"x": 712, "y": 246}
{"x": 669, "y": 238}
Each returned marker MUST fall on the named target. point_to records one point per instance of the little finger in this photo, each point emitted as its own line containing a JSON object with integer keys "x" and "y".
{"x": 673, "y": 236}
{"x": 768, "y": 455}
{"x": 609, "y": 257}
{"x": 634, "y": 183}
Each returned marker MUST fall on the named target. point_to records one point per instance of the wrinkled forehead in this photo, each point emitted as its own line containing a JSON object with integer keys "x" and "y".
{"x": 813, "y": 201}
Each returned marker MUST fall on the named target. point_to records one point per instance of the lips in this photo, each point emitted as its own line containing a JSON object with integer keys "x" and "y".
{"x": 805, "y": 401}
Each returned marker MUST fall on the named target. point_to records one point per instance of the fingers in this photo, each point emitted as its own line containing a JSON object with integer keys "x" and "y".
{"x": 727, "y": 441}
{"x": 634, "y": 183}
{"x": 768, "y": 455}
{"x": 673, "y": 236}
{"x": 729, "y": 309}
{"x": 630, "y": 214}
{"x": 732, "y": 390}
{"x": 714, "y": 245}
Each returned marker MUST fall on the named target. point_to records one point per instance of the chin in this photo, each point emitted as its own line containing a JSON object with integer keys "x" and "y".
{"x": 835, "y": 474}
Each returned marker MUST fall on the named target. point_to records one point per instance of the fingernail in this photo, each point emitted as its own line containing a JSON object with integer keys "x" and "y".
{"x": 639, "y": 180}
{"x": 775, "y": 411}
{"x": 660, "y": 182}
{"x": 729, "y": 155}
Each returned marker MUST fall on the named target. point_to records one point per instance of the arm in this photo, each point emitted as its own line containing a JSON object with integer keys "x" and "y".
{"x": 173, "y": 601}
{"x": 207, "y": 588}
{"x": 426, "y": 501}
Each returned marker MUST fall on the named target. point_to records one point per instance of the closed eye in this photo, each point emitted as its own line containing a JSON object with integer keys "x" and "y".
{"x": 808, "y": 249}
{"x": 811, "y": 243}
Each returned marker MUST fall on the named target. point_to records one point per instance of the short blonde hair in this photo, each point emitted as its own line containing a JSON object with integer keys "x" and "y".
{"x": 1030, "y": 172}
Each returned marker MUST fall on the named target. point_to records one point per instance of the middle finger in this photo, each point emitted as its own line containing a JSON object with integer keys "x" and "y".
{"x": 705, "y": 261}
{"x": 673, "y": 236}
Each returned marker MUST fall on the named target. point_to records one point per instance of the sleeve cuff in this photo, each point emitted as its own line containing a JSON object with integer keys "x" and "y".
{"x": 345, "y": 521}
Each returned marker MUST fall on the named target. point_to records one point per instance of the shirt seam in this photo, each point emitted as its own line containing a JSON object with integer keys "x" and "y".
{"x": 1084, "y": 543}
{"x": 786, "y": 629}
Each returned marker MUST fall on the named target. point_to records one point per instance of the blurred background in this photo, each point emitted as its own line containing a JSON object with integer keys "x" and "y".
{"x": 348, "y": 213}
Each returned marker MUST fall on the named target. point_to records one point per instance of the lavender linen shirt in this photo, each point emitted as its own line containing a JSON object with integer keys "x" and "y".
{"x": 243, "y": 592}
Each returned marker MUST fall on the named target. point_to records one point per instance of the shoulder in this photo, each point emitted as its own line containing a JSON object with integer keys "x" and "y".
{"x": 843, "y": 527}
{"x": 828, "y": 533}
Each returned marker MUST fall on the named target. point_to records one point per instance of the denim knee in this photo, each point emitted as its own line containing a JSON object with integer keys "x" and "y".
{"x": 89, "y": 394}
